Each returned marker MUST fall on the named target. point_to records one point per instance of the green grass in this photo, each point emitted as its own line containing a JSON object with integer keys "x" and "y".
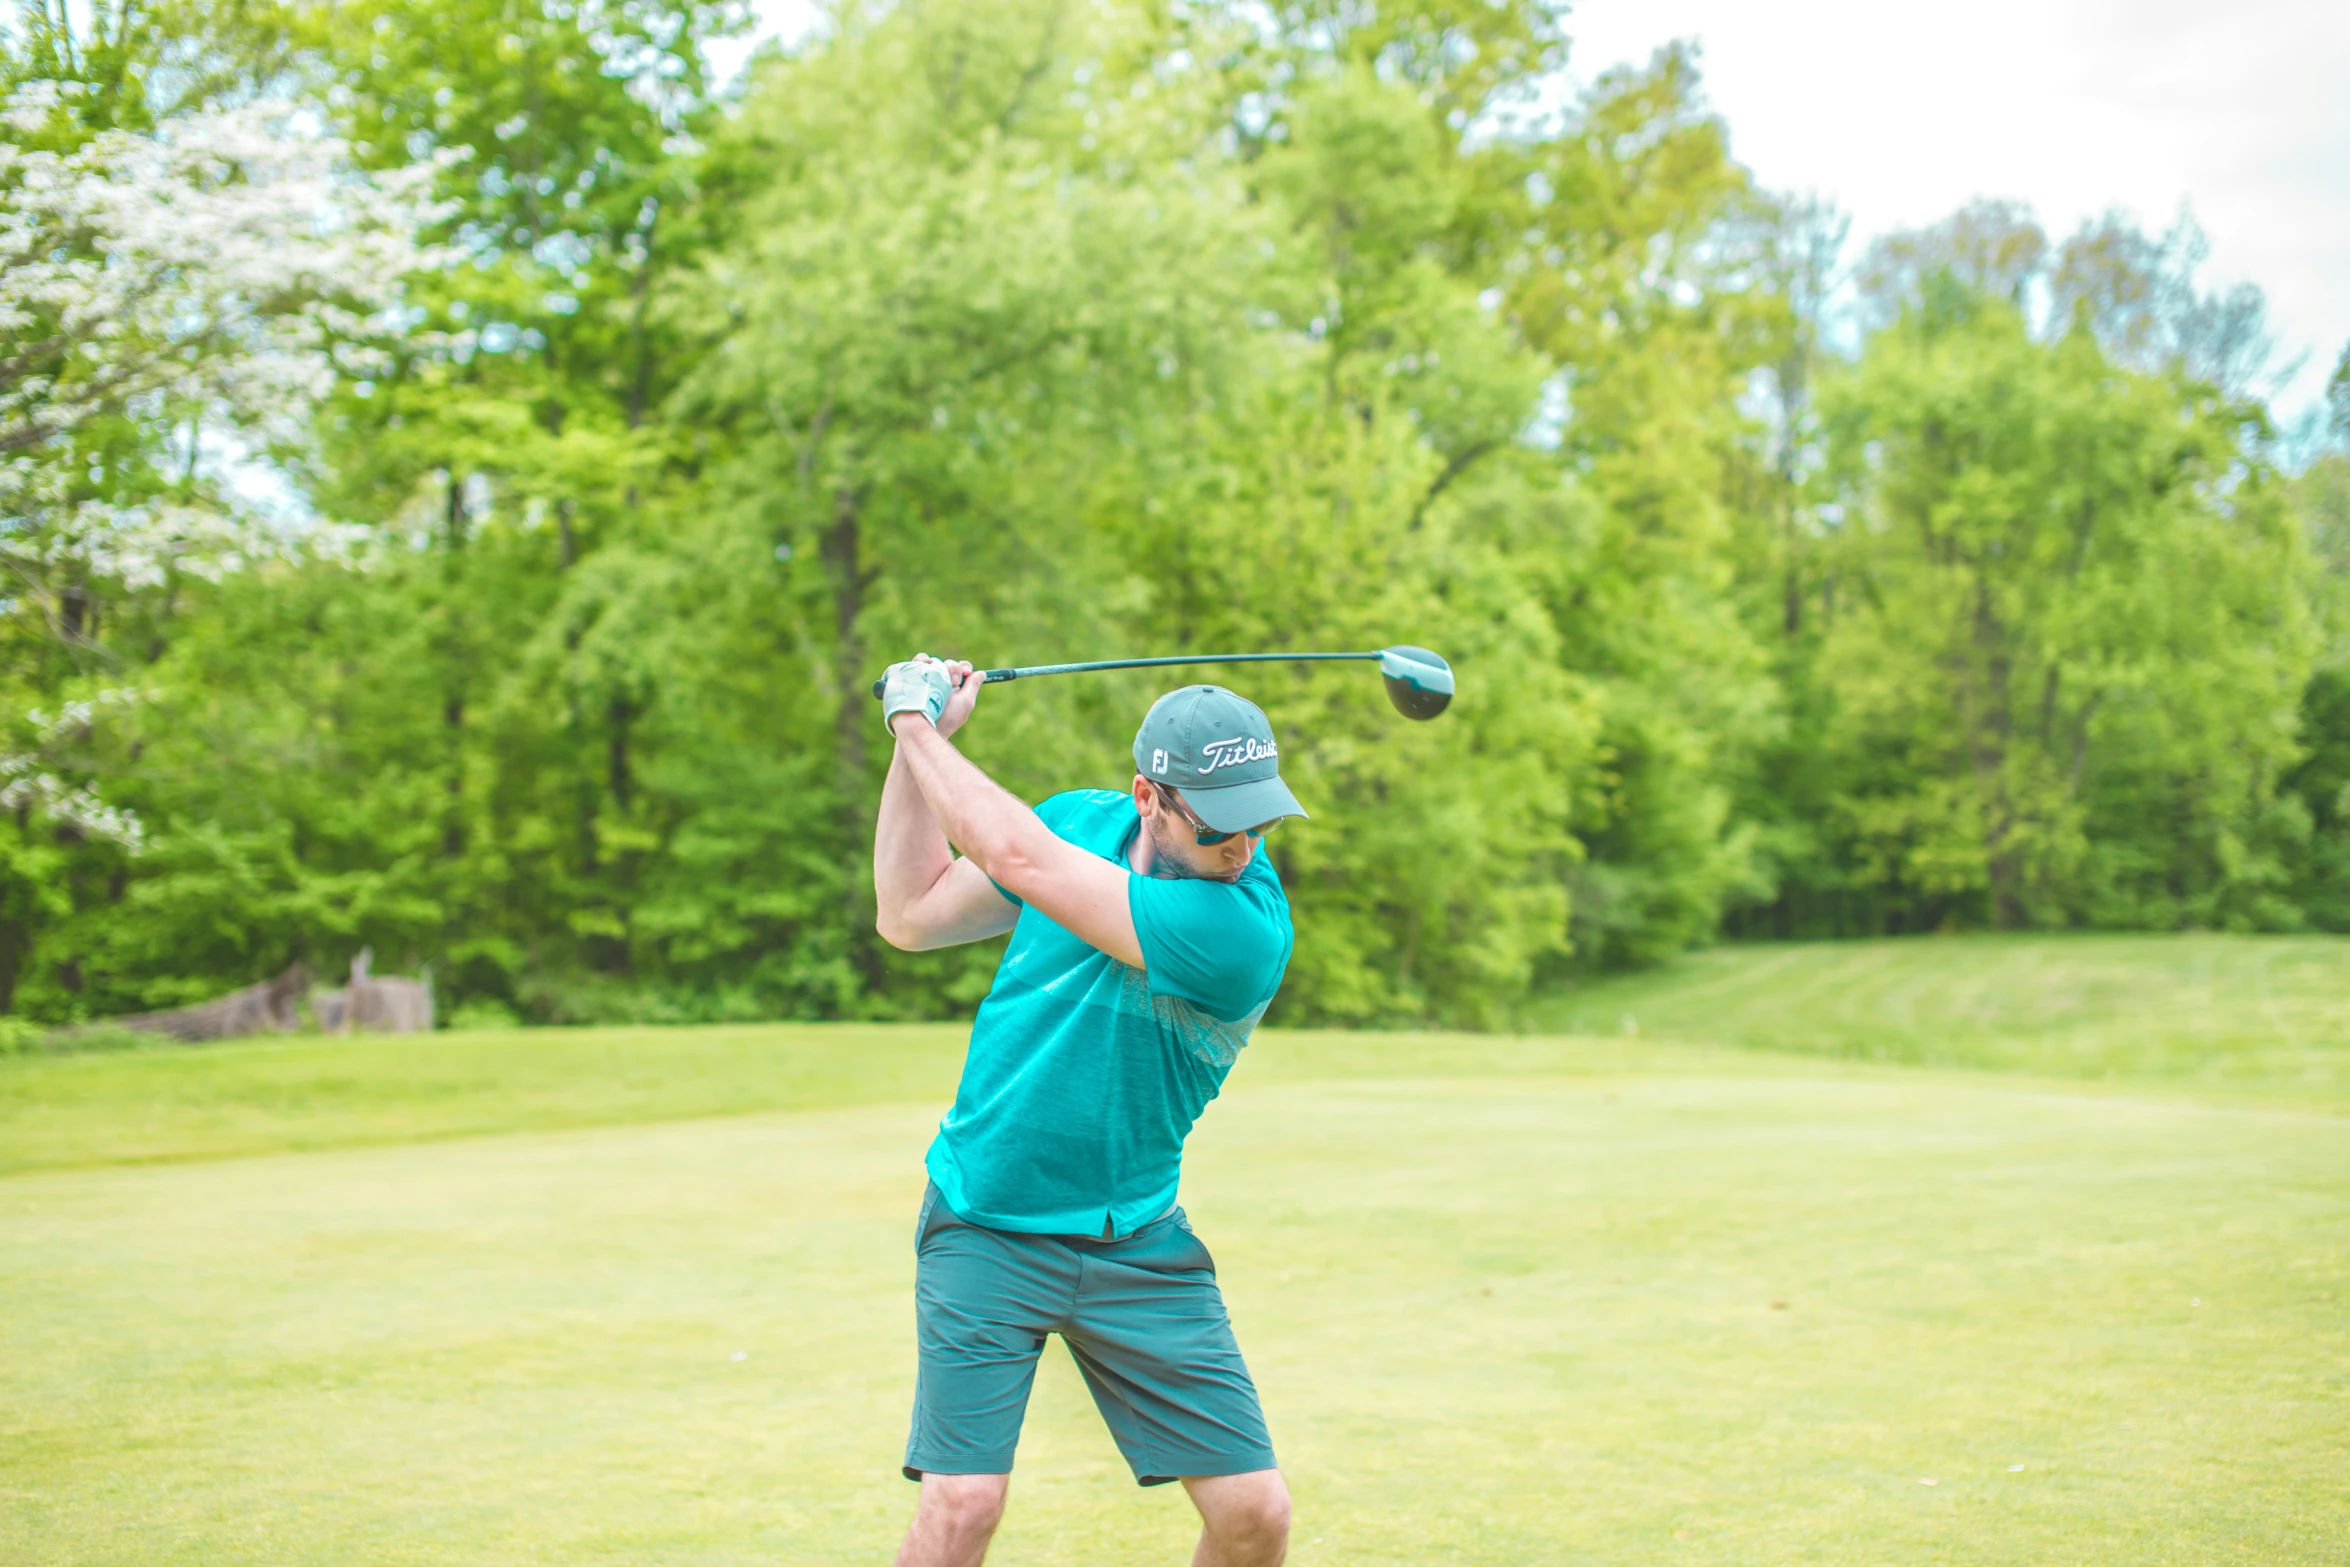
{"x": 171, "y": 1103}
{"x": 479, "y": 1299}
{"x": 2261, "y": 1015}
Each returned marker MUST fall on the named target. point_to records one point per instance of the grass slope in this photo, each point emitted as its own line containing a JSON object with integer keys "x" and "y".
{"x": 1613, "y": 1300}
{"x": 1497, "y": 1320}
{"x": 170, "y": 1103}
{"x": 2264, "y": 1018}
{"x": 2263, "y": 1015}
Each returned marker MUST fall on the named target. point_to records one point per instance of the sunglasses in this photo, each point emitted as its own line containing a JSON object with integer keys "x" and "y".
{"x": 1201, "y": 833}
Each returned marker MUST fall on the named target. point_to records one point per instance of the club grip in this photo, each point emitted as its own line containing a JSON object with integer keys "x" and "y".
{"x": 987, "y": 677}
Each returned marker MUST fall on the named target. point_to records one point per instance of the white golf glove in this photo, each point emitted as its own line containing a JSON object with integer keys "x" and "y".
{"x": 919, "y": 685}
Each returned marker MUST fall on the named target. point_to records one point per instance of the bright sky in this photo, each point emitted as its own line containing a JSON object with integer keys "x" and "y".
{"x": 2239, "y": 111}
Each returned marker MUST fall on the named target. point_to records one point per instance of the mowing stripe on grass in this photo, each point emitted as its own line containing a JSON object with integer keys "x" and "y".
{"x": 1616, "y": 1319}
{"x": 2265, "y": 1016}
{"x": 172, "y": 1104}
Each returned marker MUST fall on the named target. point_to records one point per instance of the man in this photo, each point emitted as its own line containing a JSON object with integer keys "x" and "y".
{"x": 1148, "y": 935}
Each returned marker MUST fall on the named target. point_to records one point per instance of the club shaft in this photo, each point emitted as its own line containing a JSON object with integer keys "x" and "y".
{"x": 1031, "y": 671}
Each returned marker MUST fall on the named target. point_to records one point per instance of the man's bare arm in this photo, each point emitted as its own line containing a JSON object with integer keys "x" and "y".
{"x": 923, "y": 896}
{"x": 1082, "y": 892}
{"x": 924, "y": 899}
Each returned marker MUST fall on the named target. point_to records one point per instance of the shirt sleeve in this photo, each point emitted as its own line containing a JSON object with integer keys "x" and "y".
{"x": 1222, "y": 947}
{"x": 1054, "y": 811}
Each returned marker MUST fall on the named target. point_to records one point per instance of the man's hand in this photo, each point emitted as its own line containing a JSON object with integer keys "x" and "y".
{"x": 924, "y": 897}
{"x": 966, "y": 697}
{"x": 919, "y": 685}
{"x": 962, "y": 692}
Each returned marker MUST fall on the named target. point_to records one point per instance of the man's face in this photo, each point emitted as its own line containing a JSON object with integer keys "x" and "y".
{"x": 1175, "y": 844}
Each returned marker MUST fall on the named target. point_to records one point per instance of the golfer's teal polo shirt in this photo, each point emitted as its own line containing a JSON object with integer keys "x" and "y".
{"x": 1084, "y": 1075}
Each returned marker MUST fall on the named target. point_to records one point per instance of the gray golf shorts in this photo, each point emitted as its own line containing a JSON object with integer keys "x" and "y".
{"x": 1142, "y": 1318}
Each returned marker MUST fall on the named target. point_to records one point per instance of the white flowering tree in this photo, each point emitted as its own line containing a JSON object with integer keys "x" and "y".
{"x": 201, "y": 269}
{"x": 173, "y": 304}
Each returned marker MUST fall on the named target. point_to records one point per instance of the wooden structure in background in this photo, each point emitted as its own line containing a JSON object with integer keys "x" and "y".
{"x": 266, "y": 1008}
{"x": 391, "y": 1006}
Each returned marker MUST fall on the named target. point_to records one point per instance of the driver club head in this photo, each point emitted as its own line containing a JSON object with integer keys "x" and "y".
{"x": 1419, "y": 682}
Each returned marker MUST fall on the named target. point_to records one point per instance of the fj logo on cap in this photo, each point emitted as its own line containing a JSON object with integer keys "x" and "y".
{"x": 1233, "y": 753}
{"x": 1158, "y": 761}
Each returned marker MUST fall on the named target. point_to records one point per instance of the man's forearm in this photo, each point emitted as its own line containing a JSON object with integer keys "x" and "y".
{"x": 910, "y": 852}
{"x": 977, "y": 814}
{"x": 1077, "y": 889}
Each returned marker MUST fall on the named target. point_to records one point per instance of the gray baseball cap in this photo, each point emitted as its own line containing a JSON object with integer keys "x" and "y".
{"x": 1217, "y": 750}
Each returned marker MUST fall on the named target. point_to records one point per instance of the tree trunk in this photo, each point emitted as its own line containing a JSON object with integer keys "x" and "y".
{"x": 14, "y": 938}
{"x": 620, "y": 777}
{"x": 453, "y": 832}
{"x": 843, "y": 549}
{"x": 1987, "y": 711}
{"x": 456, "y": 509}
{"x": 616, "y": 758}
{"x": 589, "y": 861}
{"x": 453, "y": 705}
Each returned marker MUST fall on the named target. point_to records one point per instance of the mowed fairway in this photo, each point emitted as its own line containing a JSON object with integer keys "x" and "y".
{"x": 1510, "y": 1301}
{"x": 2254, "y": 1016}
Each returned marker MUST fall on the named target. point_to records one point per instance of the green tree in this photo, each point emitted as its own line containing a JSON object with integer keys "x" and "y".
{"x": 180, "y": 272}
{"x": 2073, "y": 636}
{"x": 1021, "y": 331}
{"x": 2321, "y": 782}
{"x": 1624, "y": 251}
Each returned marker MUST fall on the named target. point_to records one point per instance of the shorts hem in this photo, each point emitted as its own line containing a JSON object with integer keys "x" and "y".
{"x": 1209, "y": 1466}
{"x": 914, "y": 1469}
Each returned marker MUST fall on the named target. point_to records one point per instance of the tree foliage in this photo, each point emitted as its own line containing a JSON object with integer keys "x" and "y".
{"x": 1025, "y": 331}
{"x": 2052, "y": 606}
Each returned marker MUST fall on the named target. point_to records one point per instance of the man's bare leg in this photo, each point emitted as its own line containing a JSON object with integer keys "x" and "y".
{"x": 1244, "y": 1519}
{"x": 954, "y": 1520}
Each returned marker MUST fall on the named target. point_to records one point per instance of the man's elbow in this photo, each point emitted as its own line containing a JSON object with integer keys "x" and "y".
{"x": 904, "y": 934}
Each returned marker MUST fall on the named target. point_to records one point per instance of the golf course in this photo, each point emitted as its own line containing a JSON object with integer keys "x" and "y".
{"x": 1998, "y": 1250}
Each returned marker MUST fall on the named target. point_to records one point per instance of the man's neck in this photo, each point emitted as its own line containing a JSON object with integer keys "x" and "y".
{"x": 1143, "y": 856}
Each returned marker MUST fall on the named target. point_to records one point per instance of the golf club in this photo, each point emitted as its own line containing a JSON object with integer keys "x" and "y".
{"x": 1419, "y": 682}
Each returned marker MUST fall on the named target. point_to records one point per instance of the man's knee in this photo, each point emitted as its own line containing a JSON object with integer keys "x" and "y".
{"x": 1264, "y": 1519}
{"x": 1248, "y": 1514}
{"x": 954, "y": 1520}
{"x": 965, "y": 1504}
